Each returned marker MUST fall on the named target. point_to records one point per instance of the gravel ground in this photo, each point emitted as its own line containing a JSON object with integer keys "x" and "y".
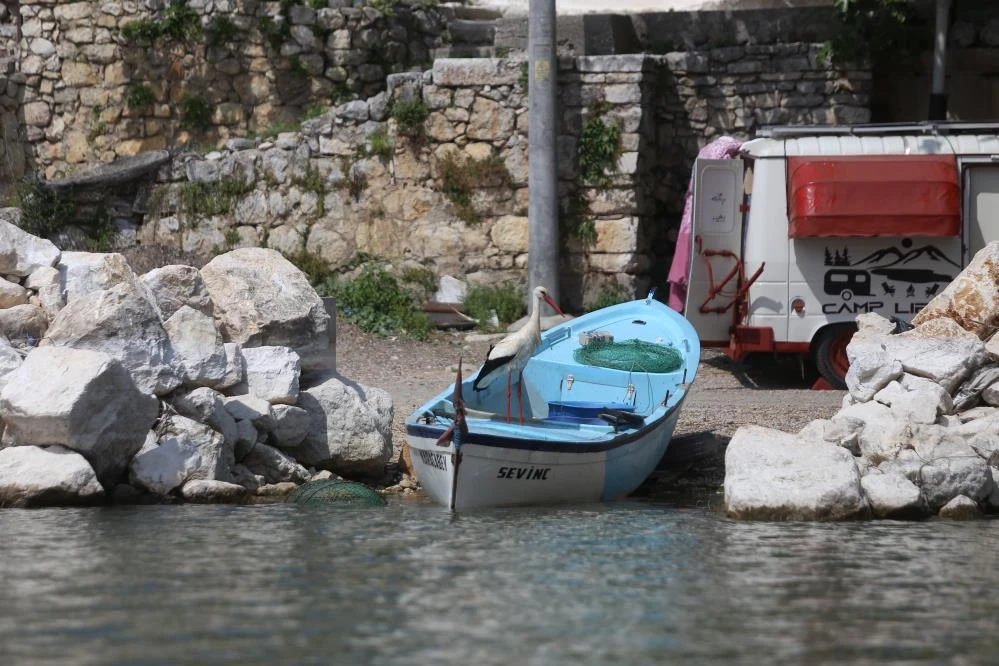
{"x": 764, "y": 390}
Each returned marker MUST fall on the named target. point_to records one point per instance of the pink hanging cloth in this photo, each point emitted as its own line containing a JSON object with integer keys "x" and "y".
{"x": 722, "y": 148}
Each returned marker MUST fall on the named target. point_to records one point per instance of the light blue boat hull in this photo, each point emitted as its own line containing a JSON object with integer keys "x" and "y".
{"x": 547, "y": 460}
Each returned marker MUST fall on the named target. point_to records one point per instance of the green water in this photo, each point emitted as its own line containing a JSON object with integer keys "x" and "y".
{"x": 629, "y": 583}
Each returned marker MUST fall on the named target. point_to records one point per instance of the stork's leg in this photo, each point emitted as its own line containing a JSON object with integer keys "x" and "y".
{"x": 520, "y": 398}
{"x": 508, "y": 379}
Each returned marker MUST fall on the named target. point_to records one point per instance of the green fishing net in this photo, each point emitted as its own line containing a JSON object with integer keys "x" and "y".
{"x": 328, "y": 491}
{"x": 630, "y": 355}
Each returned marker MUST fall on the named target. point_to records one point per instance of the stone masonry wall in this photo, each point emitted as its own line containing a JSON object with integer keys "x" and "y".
{"x": 323, "y": 191}
{"x": 91, "y": 93}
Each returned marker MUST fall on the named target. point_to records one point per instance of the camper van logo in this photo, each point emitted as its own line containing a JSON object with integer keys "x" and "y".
{"x": 890, "y": 273}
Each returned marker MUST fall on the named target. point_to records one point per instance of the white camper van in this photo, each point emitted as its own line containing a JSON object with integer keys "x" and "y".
{"x": 807, "y": 227}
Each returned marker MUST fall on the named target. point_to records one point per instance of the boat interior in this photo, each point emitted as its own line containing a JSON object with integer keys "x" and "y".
{"x": 562, "y": 394}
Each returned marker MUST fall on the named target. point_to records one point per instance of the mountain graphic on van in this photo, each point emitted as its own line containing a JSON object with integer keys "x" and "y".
{"x": 891, "y": 263}
{"x": 895, "y": 257}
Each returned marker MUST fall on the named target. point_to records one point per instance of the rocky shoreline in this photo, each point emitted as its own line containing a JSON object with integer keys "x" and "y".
{"x": 179, "y": 384}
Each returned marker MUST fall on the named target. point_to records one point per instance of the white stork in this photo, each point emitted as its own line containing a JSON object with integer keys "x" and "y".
{"x": 510, "y": 355}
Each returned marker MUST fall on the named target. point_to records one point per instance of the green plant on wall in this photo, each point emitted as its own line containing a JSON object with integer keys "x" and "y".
{"x": 177, "y": 22}
{"x": 574, "y": 218}
{"x": 461, "y": 179}
{"x": 354, "y": 180}
{"x": 139, "y": 95}
{"x": 599, "y": 148}
{"x": 221, "y": 30}
{"x": 871, "y": 28}
{"x": 195, "y": 111}
{"x": 45, "y": 212}
{"x": 198, "y": 199}
{"x": 379, "y": 144}
{"x": 410, "y": 116}
{"x": 386, "y": 7}
{"x": 311, "y": 180}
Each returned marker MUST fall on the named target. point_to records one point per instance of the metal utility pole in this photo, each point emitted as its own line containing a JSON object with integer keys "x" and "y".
{"x": 938, "y": 96}
{"x": 542, "y": 176}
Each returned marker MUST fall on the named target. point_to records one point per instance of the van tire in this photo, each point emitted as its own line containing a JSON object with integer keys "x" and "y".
{"x": 830, "y": 353}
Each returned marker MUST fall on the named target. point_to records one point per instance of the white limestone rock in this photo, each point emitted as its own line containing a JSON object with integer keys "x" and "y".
{"x": 350, "y": 429}
{"x": 247, "y": 437}
{"x": 216, "y": 455}
{"x": 939, "y": 350}
{"x": 203, "y": 491}
{"x": 27, "y": 323}
{"x": 893, "y": 496}
{"x": 272, "y": 374}
{"x": 10, "y": 360}
{"x": 960, "y": 508}
{"x": 175, "y": 286}
{"x": 884, "y": 433}
{"x": 971, "y": 300}
{"x": 21, "y": 253}
{"x": 290, "y": 426}
{"x": 262, "y": 299}
{"x": 12, "y": 294}
{"x": 198, "y": 346}
{"x": 235, "y": 366}
{"x": 950, "y": 468}
{"x": 83, "y": 400}
{"x": 840, "y": 430}
{"x": 871, "y": 369}
{"x": 873, "y": 323}
{"x": 122, "y": 322}
{"x": 274, "y": 465}
{"x": 47, "y": 285}
{"x": 84, "y": 272}
{"x": 206, "y": 406}
{"x": 162, "y": 468}
{"x": 250, "y": 408}
{"x": 771, "y": 475}
{"x": 52, "y": 476}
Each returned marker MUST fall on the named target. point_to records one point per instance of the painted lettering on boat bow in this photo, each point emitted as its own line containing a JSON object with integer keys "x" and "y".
{"x": 525, "y": 473}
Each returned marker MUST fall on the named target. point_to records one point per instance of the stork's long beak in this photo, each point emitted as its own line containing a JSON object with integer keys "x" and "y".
{"x": 549, "y": 301}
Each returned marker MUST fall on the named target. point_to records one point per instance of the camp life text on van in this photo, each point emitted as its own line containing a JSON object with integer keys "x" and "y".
{"x": 807, "y": 227}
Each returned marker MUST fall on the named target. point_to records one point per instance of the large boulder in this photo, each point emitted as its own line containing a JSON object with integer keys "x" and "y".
{"x": 215, "y": 453}
{"x": 84, "y": 272}
{"x": 159, "y": 469}
{"x": 21, "y": 253}
{"x": 939, "y": 350}
{"x": 272, "y": 374}
{"x": 273, "y": 465}
{"x": 175, "y": 286}
{"x": 198, "y": 346}
{"x": 262, "y": 299}
{"x": 771, "y": 475}
{"x": 23, "y": 322}
{"x": 350, "y": 431}
{"x": 892, "y": 495}
{"x": 972, "y": 298}
{"x": 82, "y": 400}
{"x": 289, "y": 426}
{"x": 205, "y": 406}
{"x": 122, "y": 322}
{"x": 36, "y": 476}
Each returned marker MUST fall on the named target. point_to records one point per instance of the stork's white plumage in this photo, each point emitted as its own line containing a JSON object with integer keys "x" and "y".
{"x": 511, "y": 354}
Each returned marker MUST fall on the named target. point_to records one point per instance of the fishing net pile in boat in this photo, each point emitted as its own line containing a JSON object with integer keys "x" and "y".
{"x": 328, "y": 491}
{"x": 629, "y": 355}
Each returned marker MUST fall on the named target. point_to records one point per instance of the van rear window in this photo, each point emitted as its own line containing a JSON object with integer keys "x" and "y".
{"x": 873, "y": 195}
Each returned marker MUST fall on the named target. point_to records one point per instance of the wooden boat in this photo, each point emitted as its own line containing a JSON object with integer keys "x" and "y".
{"x": 590, "y": 433}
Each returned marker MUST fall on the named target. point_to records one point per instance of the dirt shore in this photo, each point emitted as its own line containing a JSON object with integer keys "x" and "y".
{"x": 765, "y": 390}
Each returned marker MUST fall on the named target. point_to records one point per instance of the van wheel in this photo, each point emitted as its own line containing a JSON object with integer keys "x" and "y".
{"x": 830, "y": 353}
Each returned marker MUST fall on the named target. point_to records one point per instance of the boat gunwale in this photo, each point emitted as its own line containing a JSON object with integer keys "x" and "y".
{"x": 428, "y": 431}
